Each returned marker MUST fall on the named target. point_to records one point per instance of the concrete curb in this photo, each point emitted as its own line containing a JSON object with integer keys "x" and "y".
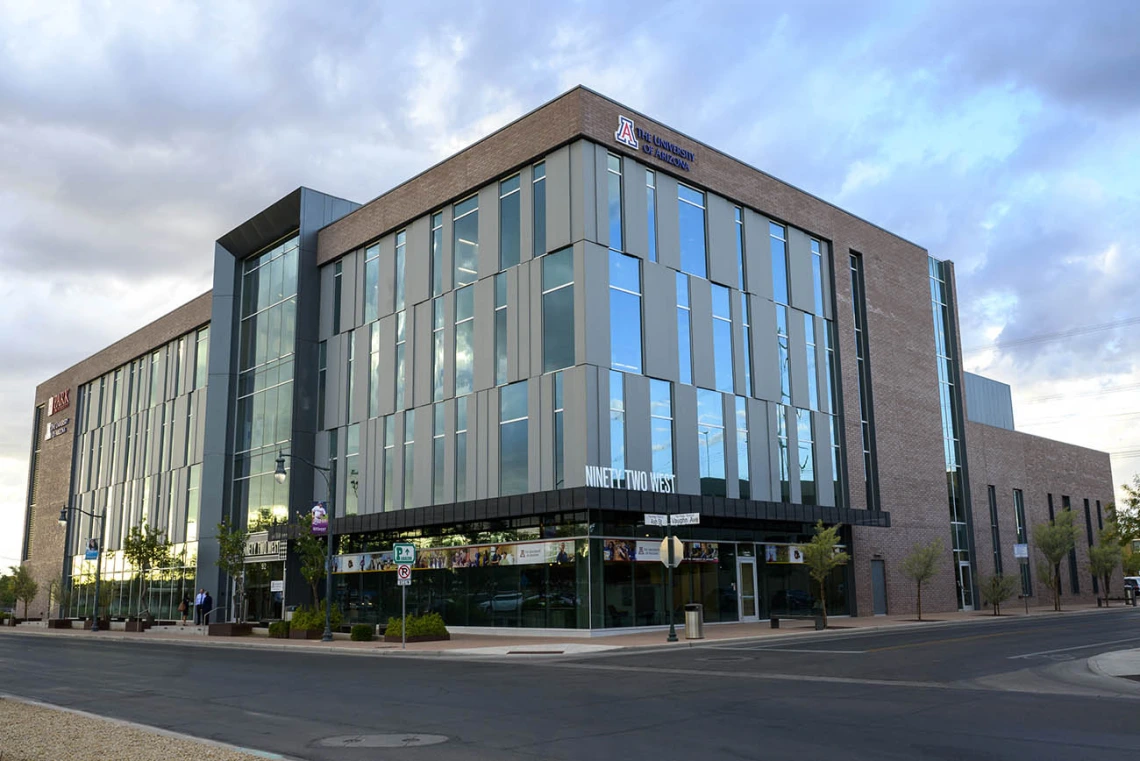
{"x": 148, "y": 728}
{"x": 1118, "y": 664}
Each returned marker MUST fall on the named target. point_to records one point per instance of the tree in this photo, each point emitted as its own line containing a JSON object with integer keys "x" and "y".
{"x": 231, "y": 559}
{"x": 1126, "y": 516}
{"x": 311, "y": 551}
{"x": 920, "y": 564}
{"x": 1054, "y": 541}
{"x": 24, "y": 587}
{"x": 7, "y": 593}
{"x": 1105, "y": 556}
{"x": 821, "y": 555}
{"x": 59, "y": 595}
{"x": 997, "y": 589}
{"x": 146, "y": 549}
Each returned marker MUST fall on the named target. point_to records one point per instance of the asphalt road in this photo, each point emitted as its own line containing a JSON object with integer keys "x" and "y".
{"x": 1011, "y": 689}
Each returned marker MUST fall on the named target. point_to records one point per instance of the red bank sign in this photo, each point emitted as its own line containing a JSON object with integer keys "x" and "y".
{"x": 60, "y": 401}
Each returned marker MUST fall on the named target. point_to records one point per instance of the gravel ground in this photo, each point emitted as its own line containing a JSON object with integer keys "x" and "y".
{"x": 38, "y": 733}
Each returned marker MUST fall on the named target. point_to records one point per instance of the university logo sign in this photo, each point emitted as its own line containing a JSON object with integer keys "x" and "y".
{"x": 624, "y": 132}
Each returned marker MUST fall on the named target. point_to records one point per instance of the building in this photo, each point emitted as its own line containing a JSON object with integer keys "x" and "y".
{"x": 513, "y": 357}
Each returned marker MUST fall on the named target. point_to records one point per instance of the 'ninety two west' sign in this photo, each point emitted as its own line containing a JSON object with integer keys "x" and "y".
{"x": 638, "y": 480}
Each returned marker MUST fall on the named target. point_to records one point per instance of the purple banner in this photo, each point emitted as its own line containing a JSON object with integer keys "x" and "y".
{"x": 320, "y": 519}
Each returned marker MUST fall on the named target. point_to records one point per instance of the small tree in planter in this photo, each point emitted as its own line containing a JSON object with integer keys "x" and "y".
{"x": 1054, "y": 541}
{"x": 997, "y": 589}
{"x": 24, "y": 587}
{"x": 59, "y": 596}
{"x": 311, "y": 550}
{"x": 821, "y": 555}
{"x": 231, "y": 560}
{"x": 1105, "y": 556}
{"x": 309, "y": 623}
{"x": 146, "y": 549}
{"x": 919, "y": 566}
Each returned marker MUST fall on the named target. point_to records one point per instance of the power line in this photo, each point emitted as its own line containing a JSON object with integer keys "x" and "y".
{"x": 1069, "y": 394}
{"x": 1060, "y": 335}
{"x": 1051, "y": 420}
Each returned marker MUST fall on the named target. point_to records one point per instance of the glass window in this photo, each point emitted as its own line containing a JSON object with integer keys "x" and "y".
{"x": 436, "y": 255}
{"x": 322, "y": 380}
{"x": 739, "y": 248}
{"x": 509, "y": 222}
{"x": 782, "y": 453}
{"x": 390, "y": 500}
{"x": 437, "y": 456}
{"x": 684, "y": 329}
{"x": 722, "y": 338}
{"x": 409, "y": 457}
{"x": 829, "y": 376}
{"x": 461, "y": 448}
{"x": 352, "y": 470}
{"x": 559, "y": 434}
{"x": 833, "y": 420}
{"x": 1022, "y": 538}
{"x": 746, "y": 314}
{"x": 625, "y": 313}
{"x": 201, "y": 358}
{"x": 651, "y": 211}
{"x": 438, "y": 358}
{"x": 784, "y": 356}
{"x": 691, "y": 219}
{"x": 466, "y": 240}
{"x": 350, "y": 375}
{"x": 558, "y": 310}
{"x": 401, "y": 247}
{"x": 817, "y": 275}
{"x": 613, "y": 173}
{"x": 464, "y": 340}
{"x": 193, "y": 502}
{"x": 513, "y": 465}
{"x": 779, "y": 250}
{"x": 539, "y": 186}
{"x": 373, "y": 370}
{"x": 337, "y": 288}
{"x": 710, "y": 439}
{"x": 617, "y": 421}
{"x": 500, "y": 329}
{"x": 995, "y": 535}
{"x": 742, "y": 448}
{"x": 812, "y": 376}
{"x": 661, "y": 422}
{"x": 399, "y": 363}
{"x": 371, "y": 283}
{"x": 805, "y": 430}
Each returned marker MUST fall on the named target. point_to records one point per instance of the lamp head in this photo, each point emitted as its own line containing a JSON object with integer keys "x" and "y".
{"x": 279, "y": 474}
{"x": 63, "y": 516}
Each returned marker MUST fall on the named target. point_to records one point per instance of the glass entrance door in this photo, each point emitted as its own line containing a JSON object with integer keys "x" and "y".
{"x": 965, "y": 598}
{"x": 746, "y": 575}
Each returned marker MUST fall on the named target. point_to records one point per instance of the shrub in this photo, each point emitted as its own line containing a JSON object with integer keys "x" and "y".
{"x": 418, "y": 626}
{"x": 279, "y": 629}
{"x": 361, "y": 633}
{"x": 314, "y": 618}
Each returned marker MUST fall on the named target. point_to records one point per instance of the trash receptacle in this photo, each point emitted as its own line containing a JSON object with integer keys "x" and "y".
{"x": 694, "y": 621}
{"x": 289, "y": 610}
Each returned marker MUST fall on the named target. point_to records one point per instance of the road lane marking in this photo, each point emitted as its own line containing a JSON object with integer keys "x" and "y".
{"x": 792, "y": 650}
{"x": 1078, "y": 647}
{"x": 942, "y": 641}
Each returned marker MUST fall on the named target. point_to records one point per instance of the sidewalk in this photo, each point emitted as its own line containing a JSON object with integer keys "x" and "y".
{"x": 1121, "y": 663}
{"x": 517, "y": 642}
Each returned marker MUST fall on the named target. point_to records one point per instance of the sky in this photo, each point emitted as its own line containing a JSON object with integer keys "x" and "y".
{"x": 1005, "y": 137}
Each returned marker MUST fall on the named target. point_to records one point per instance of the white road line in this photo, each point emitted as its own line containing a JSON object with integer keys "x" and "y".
{"x": 791, "y": 650}
{"x": 1078, "y": 647}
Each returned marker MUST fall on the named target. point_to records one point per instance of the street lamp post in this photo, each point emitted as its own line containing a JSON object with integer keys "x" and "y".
{"x": 279, "y": 475}
{"x": 102, "y": 517}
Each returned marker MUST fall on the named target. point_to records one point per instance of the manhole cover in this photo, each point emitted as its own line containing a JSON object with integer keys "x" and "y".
{"x": 406, "y": 740}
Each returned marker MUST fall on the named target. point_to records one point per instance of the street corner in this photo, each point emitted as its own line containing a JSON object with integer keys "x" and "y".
{"x": 1122, "y": 664}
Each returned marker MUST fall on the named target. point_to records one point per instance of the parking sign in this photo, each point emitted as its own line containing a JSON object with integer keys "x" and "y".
{"x": 404, "y": 553}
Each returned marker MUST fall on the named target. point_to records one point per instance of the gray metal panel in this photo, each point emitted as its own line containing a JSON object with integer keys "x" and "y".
{"x": 826, "y": 266}
{"x": 583, "y": 198}
{"x": 592, "y": 304}
{"x": 386, "y": 298}
{"x": 487, "y": 262}
{"x": 579, "y": 432}
{"x": 177, "y": 531}
{"x": 518, "y": 324}
{"x": 542, "y": 434}
{"x": 821, "y": 364}
{"x": 199, "y": 425}
{"x": 759, "y": 450}
{"x": 178, "y": 434}
{"x": 704, "y": 365}
{"x": 448, "y": 450}
{"x": 473, "y": 432}
{"x": 772, "y": 410}
{"x": 489, "y": 417}
{"x": 635, "y": 212}
{"x": 802, "y": 292}
{"x": 737, "y": 312}
{"x": 600, "y": 195}
{"x": 422, "y": 451}
{"x": 387, "y": 384}
{"x": 765, "y": 364}
{"x": 821, "y": 450}
{"x": 757, "y": 254}
{"x": 605, "y": 443}
{"x": 797, "y": 348}
{"x": 685, "y": 459}
{"x": 668, "y": 224}
{"x": 422, "y": 341}
{"x": 638, "y": 450}
{"x": 326, "y": 306}
{"x": 558, "y": 205}
{"x": 988, "y": 401}
{"x": 348, "y": 288}
{"x": 397, "y": 454}
{"x": 335, "y": 384}
{"x": 417, "y": 262}
{"x": 659, "y": 306}
{"x": 484, "y": 333}
{"x": 526, "y": 213}
{"x": 357, "y": 286}
{"x": 448, "y": 344}
{"x": 721, "y": 225}
{"x": 530, "y": 305}
{"x": 411, "y": 360}
{"x": 447, "y": 257}
{"x": 535, "y": 420}
{"x": 796, "y": 494}
{"x": 360, "y": 371}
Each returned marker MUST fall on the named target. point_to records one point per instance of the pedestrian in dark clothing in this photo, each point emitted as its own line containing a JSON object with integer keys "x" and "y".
{"x": 184, "y": 607}
{"x": 207, "y": 606}
{"x": 198, "y": 606}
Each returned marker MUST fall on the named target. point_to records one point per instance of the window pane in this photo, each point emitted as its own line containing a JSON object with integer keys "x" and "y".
{"x": 651, "y": 209}
{"x": 614, "y": 201}
{"x": 509, "y": 225}
{"x": 691, "y": 219}
{"x": 558, "y": 329}
{"x": 466, "y": 241}
{"x": 625, "y": 331}
{"x": 539, "y": 209}
{"x": 558, "y": 269}
{"x": 617, "y": 420}
{"x": 779, "y": 255}
{"x": 513, "y": 439}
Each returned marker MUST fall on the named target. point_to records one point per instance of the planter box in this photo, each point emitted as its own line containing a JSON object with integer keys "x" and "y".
{"x": 59, "y": 623}
{"x": 306, "y": 633}
{"x": 229, "y": 630}
{"x": 135, "y": 626}
{"x": 418, "y": 637}
{"x": 104, "y": 624}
